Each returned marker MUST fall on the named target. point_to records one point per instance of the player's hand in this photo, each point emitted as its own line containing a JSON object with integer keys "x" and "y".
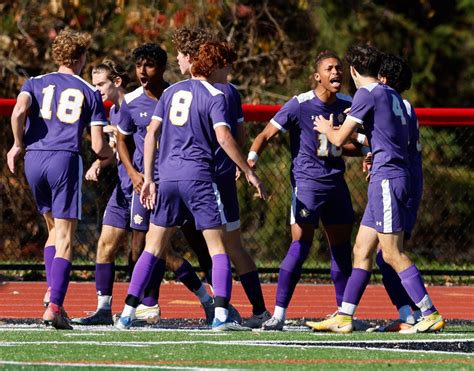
{"x": 110, "y": 129}
{"x": 94, "y": 171}
{"x": 12, "y": 157}
{"x": 137, "y": 181}
{"x": 148, "y": 195}
{"x": 367, "y": 165}
{"x": 238, "y": 173}
{"x": 322, "y": 125}
{"x": 252, "y": 164}
{"x": 347, "y": 110}
{"x": 253, "y": 179}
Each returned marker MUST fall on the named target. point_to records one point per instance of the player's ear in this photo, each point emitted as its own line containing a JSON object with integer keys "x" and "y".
{"x": 317, "y": 77}
{"x": 117, "y": 81}
{"x": 383, "y": 80}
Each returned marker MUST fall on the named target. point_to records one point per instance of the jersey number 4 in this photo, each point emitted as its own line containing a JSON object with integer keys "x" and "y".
{"x": 179, "y": 110}
{"x": 69, "y": 105}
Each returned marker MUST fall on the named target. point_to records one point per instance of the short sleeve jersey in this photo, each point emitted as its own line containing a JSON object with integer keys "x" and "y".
{"x": 190, "y": 111}
{"x": 122, "y": 172}
{"x": 381, "y": 111}
{"x": 414, "y": 145}
{"x": 236, "y": 117}
{"x": 62, "y": 105}
{"x": 134, "y": 117}
{"x": 315, "y": 162}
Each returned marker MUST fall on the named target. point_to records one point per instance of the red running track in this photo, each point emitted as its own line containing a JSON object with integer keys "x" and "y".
{"x": 24, "y": 300}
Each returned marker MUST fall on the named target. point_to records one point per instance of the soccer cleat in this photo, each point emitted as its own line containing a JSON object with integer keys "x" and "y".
{"x": 46, "y": 297}
{"x": 100, "y": 317}
{"x": 273, "y": 324}
{"x": 341, "y": 324}
{"x": 53, "y": 316}
{"x": 394, "y": 326}
{"x": 150, "y": 315}
{"x": 234, "y": 314}
{"x": 123, "y": 323}
{"x": 430, "y": 323}
{"x": 228, "y": 325}
{"x": 209, "y": 311}
{"x": 257, "y": 320}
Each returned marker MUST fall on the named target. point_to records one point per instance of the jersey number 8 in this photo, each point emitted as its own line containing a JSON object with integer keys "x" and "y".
{"x": 179, "y": 110}
{"x": 69, "y": 105}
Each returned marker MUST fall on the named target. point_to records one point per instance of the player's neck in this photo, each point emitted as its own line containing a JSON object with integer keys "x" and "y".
{"x": 154, "y": 92}
{"x": 367, "y": 80}
{"x": 324, "y": 95}
{"x": 67, "y": 70}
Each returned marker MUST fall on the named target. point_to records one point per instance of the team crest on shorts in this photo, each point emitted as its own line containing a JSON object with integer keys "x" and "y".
{"x": 137, "y": 219}
{"x": 304, "y": 213}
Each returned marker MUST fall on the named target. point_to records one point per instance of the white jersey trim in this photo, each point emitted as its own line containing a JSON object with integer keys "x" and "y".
{"x": 294, "y": 195}
{"x": 217, "y": 124}
{"x": 26, "y": 93}
{"x": 277, "y": 125}
{"x": 214, "y": 91}
{"x": 134, "y": 94}
{"x": 154, "y": 117}
{"x": 370, "y": 86}
{"x": 408, "y": 107}
{"x": 123, "y": 131}
{"x": 90, "y": 86}
{"x": 387, "y": 206}
{"x": 303, "y": 97}
{"x": 344, "y": 97}
{"x": 220, "y": 205}
{"x": 359, "y": 121}
{"x": 98, "y": 123}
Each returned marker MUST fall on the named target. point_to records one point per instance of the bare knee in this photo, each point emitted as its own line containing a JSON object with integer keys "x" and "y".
{"x": 106, "y": 251}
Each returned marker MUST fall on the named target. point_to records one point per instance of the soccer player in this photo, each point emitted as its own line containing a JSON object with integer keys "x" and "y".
{"x": 57, "y": 107}
{"x": 191, "y": 118}
{"x": 381, "y": 112}
{"x": 317, "y": 179}
{"x": 187, "y": 42}
{"x": 396, "y": 73}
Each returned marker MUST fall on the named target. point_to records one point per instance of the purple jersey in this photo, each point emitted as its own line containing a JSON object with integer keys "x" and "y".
{"x": 381, "y": 111}
{"x": 124, "y": 179}
{"x": 236, "y": 117}
{"x": 135, "y": 116}
{"x": 189, "y": 110}
{"x": 62, "y": 105}
{"x": 315, "y": 161}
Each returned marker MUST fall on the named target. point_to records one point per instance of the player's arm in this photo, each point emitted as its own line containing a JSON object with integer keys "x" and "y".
{"x": 260, "y": 142}
{"x": 18, "y": 119}
{"x": 124, "y": 154}
{"x": 148, "y": 191}
{"x": 339, "y": 136}
{"x": 99, "y": 144}
{"x": 229, "y": 145}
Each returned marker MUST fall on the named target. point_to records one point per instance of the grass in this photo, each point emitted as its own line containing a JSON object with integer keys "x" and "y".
{"x": 190, "y": 348}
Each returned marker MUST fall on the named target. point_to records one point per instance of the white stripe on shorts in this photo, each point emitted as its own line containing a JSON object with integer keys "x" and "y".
{"x": 293, "y": 205}
{"x": 387, "y": 206}
{"x": 220, "y": 205}
{"x": 79, "y": 198}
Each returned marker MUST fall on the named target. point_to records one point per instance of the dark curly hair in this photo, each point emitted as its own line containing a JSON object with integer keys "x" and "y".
{"x": 366, "y": 59}
{"x": 150, "y": 51}
{"x": 325, "y": 54}
{"x": 212, "y": 55}
{"x": 113, "y": 70}
{"x": 397, "y": 72}
{"x": 188, "y": 40}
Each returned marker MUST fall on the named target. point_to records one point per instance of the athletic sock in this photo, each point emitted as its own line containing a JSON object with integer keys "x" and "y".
{"x": 290, "y": 271}
{"x": 341, "y": 268}
{"x": 392, "y": 283}
{"x": 142, "y": 274}
{"x": 414, "y": 286}
{"x": 202, "y": 294}
{"x": 354, "y": 290}
{"x": 104, "y": 278}
{"x": 152, "y": 289}
{"x": 104, "y": 302}
{"x": 49, "y": 253}
{"x": 60, "y": 272}
{"x": 222, "y": 276}
{"x": 404, "y": 313}
{"x": 128, "y": 311}
{"x": 253, "y": 290}
{"x": 279, "y": 313}
{"x": 221, "y": 313}
{"x": 186, "y": 274}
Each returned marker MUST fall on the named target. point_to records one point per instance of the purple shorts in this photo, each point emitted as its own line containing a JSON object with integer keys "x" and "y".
{"x": 55, "y": 178}
{"x": 176, "y": 200}
{"x": 386, "y": 209}
{"x": 139, "y": 215}
{"x": 228, "y": 191}
{"x": 332, "y": 205}
{"x": 117, "y": 212}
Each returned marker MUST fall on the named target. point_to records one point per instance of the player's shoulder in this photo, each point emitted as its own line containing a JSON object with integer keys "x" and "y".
{"x": 304, "y": 97}
{"x": 212, "y": 90}
{"x": 408, "y": 107}
{"x": 133, "y": 95}
{"x": 344, "y": 97}
{"x": 87, "y": 85}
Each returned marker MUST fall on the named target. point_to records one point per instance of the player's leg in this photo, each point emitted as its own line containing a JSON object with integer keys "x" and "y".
{"x": 197, "y": 243}
{"x": 49, "y": 252}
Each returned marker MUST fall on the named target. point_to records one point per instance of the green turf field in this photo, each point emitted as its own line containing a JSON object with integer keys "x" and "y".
{"x": 88, "y": 348}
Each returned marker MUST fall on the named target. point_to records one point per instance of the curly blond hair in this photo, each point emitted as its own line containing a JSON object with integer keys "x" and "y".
{"x": 69, "y": 46}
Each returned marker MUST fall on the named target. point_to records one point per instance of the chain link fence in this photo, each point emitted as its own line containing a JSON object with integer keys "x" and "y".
{"x": 443, "y": 236}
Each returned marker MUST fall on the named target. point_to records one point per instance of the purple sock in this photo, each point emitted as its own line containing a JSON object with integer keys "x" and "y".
{"x": 60, "y": 271}
{"x": 104, "y": 278}
{"x": 356, "y": 285}
{"x": 393, "y": 284}
{"x": 253, "y": 290}
{"x": 290, "y": 271}
{"x": 341, "y": 268}
{"x": 414, "y": 286}
{"x": 141, "y": 274}
{"x": 222, "y": 276}
{"x": 49, "y": 252}
{"x": 152, "y": 290}
{"x": 186, "y": 274}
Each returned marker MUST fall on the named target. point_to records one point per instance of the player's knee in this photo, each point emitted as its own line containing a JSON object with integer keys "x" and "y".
{"x": 297, "y": 254}
{"x": 105, "y": 251}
